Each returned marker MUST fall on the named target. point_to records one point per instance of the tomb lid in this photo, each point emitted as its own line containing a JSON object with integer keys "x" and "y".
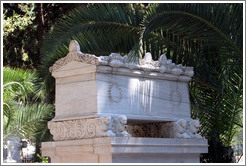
{"x": 115, "y": 60}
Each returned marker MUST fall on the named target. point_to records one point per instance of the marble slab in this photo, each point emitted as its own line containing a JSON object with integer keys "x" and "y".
{"x": 142, "y": 98}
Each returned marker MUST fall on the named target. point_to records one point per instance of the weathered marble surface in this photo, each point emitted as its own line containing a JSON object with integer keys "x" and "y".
{"x": 142, "y": 98}
{"x": 125, "y": 150}
{"x": 76, "y": 95}
{"x": 143, "y": 91}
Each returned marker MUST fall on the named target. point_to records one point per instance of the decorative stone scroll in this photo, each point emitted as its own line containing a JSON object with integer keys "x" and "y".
{"x": 104, "y": 126}
{"x": 115, "y": 60}
{"x": 178, "y": 129}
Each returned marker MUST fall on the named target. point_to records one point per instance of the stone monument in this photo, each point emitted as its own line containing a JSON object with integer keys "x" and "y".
{"x": 110, "y": 109}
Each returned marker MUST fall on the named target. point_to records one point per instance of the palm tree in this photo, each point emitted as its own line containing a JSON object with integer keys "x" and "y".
{"x": 206, "y": 36}
{"x": 21, "y": 117}
{"x": 209, "y": 37}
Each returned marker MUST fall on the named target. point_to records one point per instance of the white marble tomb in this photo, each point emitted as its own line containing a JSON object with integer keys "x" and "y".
{"x": 89, "y": 85}
{"x": 112, "y": 97}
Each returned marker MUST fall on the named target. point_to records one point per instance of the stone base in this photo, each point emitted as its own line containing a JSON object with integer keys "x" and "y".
{"x": 125, "y": 150}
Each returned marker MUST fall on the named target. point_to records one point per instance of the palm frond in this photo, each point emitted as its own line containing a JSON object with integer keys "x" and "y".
{"x": 204, "y": 23}
{"x": 27, "y": 120}
{"x": 18, "y": 84}
{"x": 208, "y": 37}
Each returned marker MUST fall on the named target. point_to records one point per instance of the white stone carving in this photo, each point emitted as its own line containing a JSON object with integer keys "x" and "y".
{"x": 181, "y": 129}
{"x": 147, "y": 62}
{"x": 104, "y": 126}
{"x": 74, "y": 46}
{"x": 192, "y": 128}
{"x": 115, "y": 60}
{"x": 74, "y": 56}
{"x": 119, "y": 128}
{"x": 189, "y": 71}
{"x": 163, "y": 60}
{"x": 166, "y": 65}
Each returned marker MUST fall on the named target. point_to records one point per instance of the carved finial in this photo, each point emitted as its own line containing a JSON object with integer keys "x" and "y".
{"x": 189, "y": 71}
{"x": 162, "y": 60}
{"x": 148, "y": 57}
{"x": 116, "y": 60}
{"x": 74, "y": 46}
{"x": 115, "y": 56}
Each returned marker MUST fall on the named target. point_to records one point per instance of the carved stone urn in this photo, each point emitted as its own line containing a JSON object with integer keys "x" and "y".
{"x": 116, "y": 110}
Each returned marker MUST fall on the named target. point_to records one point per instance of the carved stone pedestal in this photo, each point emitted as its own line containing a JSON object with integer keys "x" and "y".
{"x": 125, "y": 150}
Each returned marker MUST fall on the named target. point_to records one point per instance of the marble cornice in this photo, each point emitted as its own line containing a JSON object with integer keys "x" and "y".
{"x": 145, "y": 67}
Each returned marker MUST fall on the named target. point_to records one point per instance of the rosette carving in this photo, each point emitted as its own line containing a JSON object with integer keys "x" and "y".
{"x": 58, "y": 130}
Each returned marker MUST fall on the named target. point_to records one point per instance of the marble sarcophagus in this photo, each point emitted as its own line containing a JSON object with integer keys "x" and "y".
{"x": 111, "y": 96}
{"x": 149, "y": 91}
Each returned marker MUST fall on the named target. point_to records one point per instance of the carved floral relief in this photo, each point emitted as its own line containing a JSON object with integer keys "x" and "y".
{"x": 104, "y": 126}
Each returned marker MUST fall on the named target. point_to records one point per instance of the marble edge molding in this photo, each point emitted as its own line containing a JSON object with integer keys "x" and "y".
{"x": 137, "y": 141}
{"x": 130, "y": 118}
{"x": 116, "y": 61}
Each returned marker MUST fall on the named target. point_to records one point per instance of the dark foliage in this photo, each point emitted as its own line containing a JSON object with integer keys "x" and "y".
{"x": 27, "y": 40}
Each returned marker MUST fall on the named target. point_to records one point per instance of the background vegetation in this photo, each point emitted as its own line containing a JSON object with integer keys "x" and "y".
{"x": 206, "y": 36}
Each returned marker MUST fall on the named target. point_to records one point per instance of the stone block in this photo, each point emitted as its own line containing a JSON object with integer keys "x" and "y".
{"x": 127, "y": 150}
